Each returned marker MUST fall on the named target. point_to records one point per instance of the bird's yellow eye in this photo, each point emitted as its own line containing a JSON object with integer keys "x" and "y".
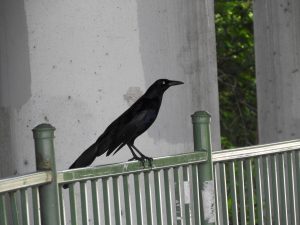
{"x": 164, "y": 82}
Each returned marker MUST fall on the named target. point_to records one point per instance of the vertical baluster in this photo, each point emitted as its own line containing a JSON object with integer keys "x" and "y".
{"x": 235, "y": 218}
{"x": 275, "y": 195}
{"x": 223, "y": 185}
{"x": 73, "y": 204}
{"x": 14, "y": 208}
{"x": 127, "y": 200}
{"x": 3, "y": 216}
{"x": 241, "y": 182}
{"x": 196, "y": 195}
{"x": 187, "y": 196}
{"x": 138, "y": 198}
{"x": 24, "y": 206}
{"x": 36, "y": 206}
{"x": 116, "y": 200}
{"x": 249, "y": 178}
{"x": 292, "y": 188}
{"x": 148, "y": 199}
{"x": 283, "y": 191}
{"x": 219, "y": 216}
{"x": 106, "y": 204}
{"x": 258, "y": 189}
{"x": 157, "y": 186}
{"x": 168, "y": 196}
{"x": 177, "y": 197}
{"x": 62, "y": 206}
{"x": 95, "y": 201}
{"x": 297, "y": 182}
{"x": 84, "y": 203}
{"x": 267, "y": 190}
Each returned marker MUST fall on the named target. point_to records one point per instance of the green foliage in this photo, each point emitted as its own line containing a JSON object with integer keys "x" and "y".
{"x": 236, "y": 72}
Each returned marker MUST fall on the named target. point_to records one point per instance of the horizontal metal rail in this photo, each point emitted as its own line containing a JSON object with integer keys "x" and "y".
{"x": 14, "y": 183}
{"x": 130, "y": 167}
{"x": 29, "y": 180}
{"x": 252, "y": 151}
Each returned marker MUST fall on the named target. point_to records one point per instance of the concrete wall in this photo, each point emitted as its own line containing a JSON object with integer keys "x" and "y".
{"x": 79, "y": 64}
{"x": 277, "y": 46}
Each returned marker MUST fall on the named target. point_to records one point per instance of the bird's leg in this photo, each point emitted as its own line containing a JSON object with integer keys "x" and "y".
{"x": 135, "y": 157}
{"x": 149, "y": 159}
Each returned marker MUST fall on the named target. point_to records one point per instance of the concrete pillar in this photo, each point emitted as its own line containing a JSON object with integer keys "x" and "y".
{"x": 79, "y": 64}
{"x": 277, "y": 47}
{"x": 15, "y": 89}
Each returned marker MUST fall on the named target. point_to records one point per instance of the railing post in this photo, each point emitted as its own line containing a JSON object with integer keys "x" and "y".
{"x": 45, "y": 160}
{"x": 202, "y": 142}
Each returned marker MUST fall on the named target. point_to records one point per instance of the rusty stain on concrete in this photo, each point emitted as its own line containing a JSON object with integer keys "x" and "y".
{"x": 132, "y": 94}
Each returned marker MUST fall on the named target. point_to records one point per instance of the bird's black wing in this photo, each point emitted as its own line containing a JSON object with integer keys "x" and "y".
{"x": 133, "y": 122}
{"x": 133, "y": 128}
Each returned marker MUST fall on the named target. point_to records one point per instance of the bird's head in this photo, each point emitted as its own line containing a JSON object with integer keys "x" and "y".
{"x": 164, "y": 84}
{"x": 161, "y": 85}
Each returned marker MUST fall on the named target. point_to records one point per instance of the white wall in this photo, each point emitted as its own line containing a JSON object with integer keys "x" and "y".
{"x": 76, "y": 65}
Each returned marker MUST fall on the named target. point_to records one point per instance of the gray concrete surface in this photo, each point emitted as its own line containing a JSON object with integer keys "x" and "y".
{"x": 277, "y": 47}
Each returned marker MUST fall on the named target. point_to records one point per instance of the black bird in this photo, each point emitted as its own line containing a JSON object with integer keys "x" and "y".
{"x": 127, "y": 127}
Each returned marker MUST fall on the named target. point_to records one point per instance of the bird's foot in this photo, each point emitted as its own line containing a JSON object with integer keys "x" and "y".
{"x": 149, "y": 159}
{"x": 140, "y": 159}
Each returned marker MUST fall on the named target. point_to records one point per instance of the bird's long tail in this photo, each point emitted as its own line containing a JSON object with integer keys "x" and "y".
{"x": 85, "y": 159}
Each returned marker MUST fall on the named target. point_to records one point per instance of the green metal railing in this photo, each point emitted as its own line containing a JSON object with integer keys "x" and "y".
{"x": 15, "y": 191}
{"x": 261, "y": 182}
{"x": 252, "y": 185}
{"x": 127, "y": 193}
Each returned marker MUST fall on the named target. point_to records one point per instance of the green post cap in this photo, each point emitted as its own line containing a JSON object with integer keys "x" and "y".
{"x": 201, "y": 117}
{"x": 43, "y": 130}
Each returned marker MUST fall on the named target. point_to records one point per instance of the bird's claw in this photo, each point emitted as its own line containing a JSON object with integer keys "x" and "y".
{"x": 142, "y": 160}
{"x": 150, "y": 160}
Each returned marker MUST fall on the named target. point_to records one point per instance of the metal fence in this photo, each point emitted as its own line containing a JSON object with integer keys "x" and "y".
{"x": 259, "y": 184}
{"x": 252, "y": 185}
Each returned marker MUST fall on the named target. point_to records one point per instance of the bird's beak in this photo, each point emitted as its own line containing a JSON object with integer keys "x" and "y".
{"x": 174, "y": 82}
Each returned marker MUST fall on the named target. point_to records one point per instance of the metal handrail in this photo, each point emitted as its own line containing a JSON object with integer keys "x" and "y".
{"x": 252, "y": 151}
{"x": 130, "y": 167}
{"x": 25, "y": 181}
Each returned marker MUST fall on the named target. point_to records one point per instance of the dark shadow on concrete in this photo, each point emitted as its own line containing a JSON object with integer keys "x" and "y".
{"x": 15, "y": 65}
{"x": 7, "y": 164}
{"x": 15, "y": 76}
